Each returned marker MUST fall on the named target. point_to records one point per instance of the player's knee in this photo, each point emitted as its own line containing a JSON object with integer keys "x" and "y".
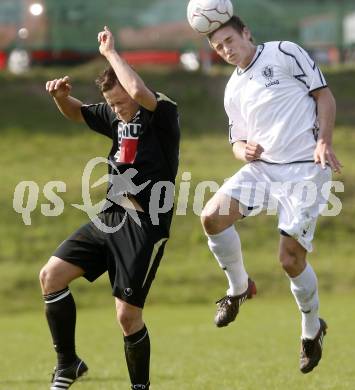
{"x": 219, "y": 213}
{"x": 289, "y": 261}
{"x": 212, "y": 222}
{"x": 129, "y": 321}
{"x": 51, "y": 278}
{"x": 292, "y": 257}
{"x": 208, "y": 221}
{"x": 44, "y": 276}
{"x": 126, "y": 321}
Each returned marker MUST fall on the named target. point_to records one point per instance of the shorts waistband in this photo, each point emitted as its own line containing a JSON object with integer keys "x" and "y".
{"x": 287, "y": 163}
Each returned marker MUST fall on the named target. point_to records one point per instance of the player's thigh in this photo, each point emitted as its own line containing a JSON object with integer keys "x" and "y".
{"x": 86, "y": 249}
{"x": 220, "y": 212}
{"x": 237, "y": 197}
{"x": 300, "y": 205}
{"x": 134, "y": 254}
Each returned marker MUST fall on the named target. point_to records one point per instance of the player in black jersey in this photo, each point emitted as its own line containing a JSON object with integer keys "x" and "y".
{"x": 128, "y": 237}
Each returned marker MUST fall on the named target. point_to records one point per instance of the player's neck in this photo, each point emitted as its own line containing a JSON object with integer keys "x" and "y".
{"x": 128, "y": 118}
{"x": 247, "y": 61}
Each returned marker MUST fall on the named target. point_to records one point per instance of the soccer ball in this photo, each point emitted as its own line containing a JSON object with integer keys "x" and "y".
{"x": 205, "y": 16}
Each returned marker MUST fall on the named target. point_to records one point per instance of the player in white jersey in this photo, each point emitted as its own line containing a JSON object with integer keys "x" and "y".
{"x": 281, "y": 117}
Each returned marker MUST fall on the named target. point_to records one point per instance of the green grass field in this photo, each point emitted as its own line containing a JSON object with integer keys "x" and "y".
{"x": 188, "y": 266}
{"x": 257, "y": 352}
{"x": 261, "y": 351}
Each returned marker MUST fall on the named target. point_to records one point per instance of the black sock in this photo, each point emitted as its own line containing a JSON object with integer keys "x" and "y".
{"x": 137, "y": 351}
{"x": 61, "y": 317}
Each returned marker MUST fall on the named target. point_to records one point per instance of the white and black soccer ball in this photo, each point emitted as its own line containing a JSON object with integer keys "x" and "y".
{"x": 205, "y": 16}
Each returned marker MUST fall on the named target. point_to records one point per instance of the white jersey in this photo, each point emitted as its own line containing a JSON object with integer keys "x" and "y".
{"x": 269, "y": 102}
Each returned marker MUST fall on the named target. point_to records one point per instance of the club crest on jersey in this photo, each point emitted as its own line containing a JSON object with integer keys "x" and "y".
{"x": 268, "y": 74}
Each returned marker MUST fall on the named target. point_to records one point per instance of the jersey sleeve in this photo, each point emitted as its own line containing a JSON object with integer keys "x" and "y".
{"x": 164, "y": 121}
{"x": 165, "y": 118}
{"x": 301, "y": 66}
{"x": 99, "y": 117}
{"x": 237, "y": 126}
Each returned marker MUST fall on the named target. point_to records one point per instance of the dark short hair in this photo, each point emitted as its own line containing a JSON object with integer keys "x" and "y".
{"x": 107, "y": 80}
{"x": 235, "y": 22}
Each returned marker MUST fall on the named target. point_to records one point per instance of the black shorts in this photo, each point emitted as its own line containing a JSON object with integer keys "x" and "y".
{"x": 131, "y": 255}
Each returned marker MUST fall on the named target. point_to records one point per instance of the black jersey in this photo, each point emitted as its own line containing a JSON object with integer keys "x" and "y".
{"x": 149, "y": 143}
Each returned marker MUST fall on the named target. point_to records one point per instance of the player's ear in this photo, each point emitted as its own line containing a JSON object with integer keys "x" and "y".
{"x": 209, "y": 39}
{"x": 247, "y": 34}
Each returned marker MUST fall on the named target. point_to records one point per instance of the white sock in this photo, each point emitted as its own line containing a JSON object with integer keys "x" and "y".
{"x": 304, "y": 287}
{"x": 227, "y": 250}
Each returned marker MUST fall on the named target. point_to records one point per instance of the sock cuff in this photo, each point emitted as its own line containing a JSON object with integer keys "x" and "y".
{"x": 140, "y": 387}
{"x": 230, "y": 230}
{"x": 137, "y": 337}
{"x": 225, "y": 246}
{"x": 227, "y": 239}
{"x": 306, "y": 277}
{"x": 56, "y": 296}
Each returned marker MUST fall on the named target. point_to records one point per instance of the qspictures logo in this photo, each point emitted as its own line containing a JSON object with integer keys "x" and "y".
{"x": 254, "y": 198}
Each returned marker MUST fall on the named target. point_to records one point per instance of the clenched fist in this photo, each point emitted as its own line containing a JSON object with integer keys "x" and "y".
{"x": 253, "y": 151}
{"x": 106, "y": 41}
{"x": 59, "y": 88}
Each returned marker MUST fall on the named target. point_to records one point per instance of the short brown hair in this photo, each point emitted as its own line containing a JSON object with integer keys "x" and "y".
{"x": 235, "y": 22}
{"x": 107, "y": 80}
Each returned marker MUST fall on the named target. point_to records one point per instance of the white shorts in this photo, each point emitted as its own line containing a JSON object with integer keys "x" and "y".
{"x": 296, "y": 192}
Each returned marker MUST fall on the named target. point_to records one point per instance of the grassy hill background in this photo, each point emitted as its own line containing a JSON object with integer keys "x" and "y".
{"x": 37, "y": 144}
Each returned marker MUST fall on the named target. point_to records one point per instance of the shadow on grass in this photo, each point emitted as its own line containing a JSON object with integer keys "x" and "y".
{"x": 103, "y": 379}
{"x": 23, "y": 380}
{"x": 95, "y": 379}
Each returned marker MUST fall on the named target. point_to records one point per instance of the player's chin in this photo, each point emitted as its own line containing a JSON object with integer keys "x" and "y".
{"x": 232, "y": 61}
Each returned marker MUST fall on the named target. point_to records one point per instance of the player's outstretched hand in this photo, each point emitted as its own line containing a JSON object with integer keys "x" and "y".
{"x": 253, "y": 151}
{"x": 324, "y": 154}
{"x": 106, "y": 41}
{"x": 59, "y": 88}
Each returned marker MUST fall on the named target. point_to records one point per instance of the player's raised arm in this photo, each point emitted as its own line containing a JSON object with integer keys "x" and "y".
{"x": 326, "y": 109}
{"x": 69, "y": 106}
{"x": 128, "y": 78}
